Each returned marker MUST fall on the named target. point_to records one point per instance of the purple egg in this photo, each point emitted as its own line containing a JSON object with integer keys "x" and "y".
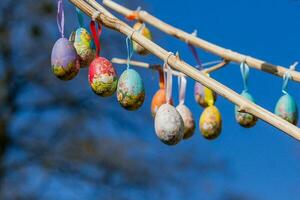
{"x": 64, "y": 60}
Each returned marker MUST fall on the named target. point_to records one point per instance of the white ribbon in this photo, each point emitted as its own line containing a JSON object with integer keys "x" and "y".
{"x": 182, "y": 88}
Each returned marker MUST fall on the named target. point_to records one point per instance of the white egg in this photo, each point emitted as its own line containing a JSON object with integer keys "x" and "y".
{"x": 169, "y": 125}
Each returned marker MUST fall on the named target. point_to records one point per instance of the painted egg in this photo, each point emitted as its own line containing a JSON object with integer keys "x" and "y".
{"x": 245, "y": 119}
{"x": 130, "y": 90}
{"x": 188, "y": 120}
{"x": 146, "y": 33}
{"x": 158, "y": 99}
{"x": 211, "y": 122}
{"x": 286, "y": 108}
{"x": 64, "y": 60}
{"x": 82, "y": 42}
{"x": 102, "y": 77}
{"x": 169, "y": 125}
{"x": 204, "y": 96}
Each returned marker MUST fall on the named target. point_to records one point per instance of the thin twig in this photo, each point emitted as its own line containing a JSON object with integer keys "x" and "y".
{"x": 175, "y": 73}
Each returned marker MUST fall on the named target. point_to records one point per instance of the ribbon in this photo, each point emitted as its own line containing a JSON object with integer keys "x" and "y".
{"x": 96, "y": 34}
{"x": 79, "y": 17}
{"x": 168, "y": 71}
{"x": 196, "y": 56}
{"x": 161, "y": 78}
{"x": 60, "y": 17}
{"x": 182, "y": 88}
{"x": 245, "y": 74}
{"x": 287, "y": 76}
{"x": 194, "y": 52}
{"x": 129, "y": 47}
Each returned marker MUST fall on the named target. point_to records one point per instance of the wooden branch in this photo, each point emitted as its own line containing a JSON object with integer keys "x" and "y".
{"x": 226, "y": 54}
{"x": 188, "y": 70}
{"x": 143, "y": 65}
{"x": 215, "y": 67}
{"x": 157, "y": 66}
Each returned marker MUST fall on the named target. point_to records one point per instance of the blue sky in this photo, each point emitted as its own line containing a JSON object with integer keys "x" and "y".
{"x": 265, "y": 160}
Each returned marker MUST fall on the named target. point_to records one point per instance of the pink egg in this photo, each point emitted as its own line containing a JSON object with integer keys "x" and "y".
{"x": 188, "y": 120}
{"x": 102, "y": 77}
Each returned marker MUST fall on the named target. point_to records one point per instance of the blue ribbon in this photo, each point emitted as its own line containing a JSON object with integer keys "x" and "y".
{"x": 286, "y": 78}
{"x": 129, "y": 47}
{"x": 245, "y": 74}
{"x": 80, "y": 17}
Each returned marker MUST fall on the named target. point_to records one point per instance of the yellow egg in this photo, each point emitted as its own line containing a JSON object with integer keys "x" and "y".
{"x": 211, "y": 123}
{"x": 146, "y": 33}
{"x": 204, "y": 96}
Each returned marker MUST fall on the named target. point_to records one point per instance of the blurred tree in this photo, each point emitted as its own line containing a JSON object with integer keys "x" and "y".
{"x": 56, "y": 140}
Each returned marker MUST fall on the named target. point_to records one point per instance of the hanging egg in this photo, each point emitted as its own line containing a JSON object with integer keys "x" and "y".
{"x": 82, "y": 42}
{"x": 245, "y": 119}
{"x": 211, "y": 122}
{"x": 169, "y": 125}
{"x": 130, "y": 90}
{"x": 286, "y": 108}
{"x": 204, "y": 96}
{"x": 158, "y": 99}
{"x": 146, "y": 33}
{"x": 64, "y": 60}
{"x": 102, "y": 77}
{"x": 188, "y": 120}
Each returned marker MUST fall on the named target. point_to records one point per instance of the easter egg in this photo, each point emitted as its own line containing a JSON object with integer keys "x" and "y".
{"x": 82, "y": 42}
{"x": 64, "y": 60}
{"x": 169, "y": 125}
{"x": 130, "y": 90}
{"x": 204, "y": 96}
{"x": 158, "y": 99}
{"x": 245, "y": 119}
{"x": 146, "y": 33}
{"x": 188, "y": 120}
{"x": 102, "y": 77}
{"x": 211, "y": 123}
{"x": 286, "y": 108}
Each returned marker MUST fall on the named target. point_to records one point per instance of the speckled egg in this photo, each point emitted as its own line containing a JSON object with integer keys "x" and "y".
{"x": 82, "y": 42}
{"x": 102, "y": 77}
{"x": 204, "y": 96}
{"x": 211, "y": 123}
{"x": 158, "y": 99}
{"x": 188, "y": 120}
{"x": 245, "y": 119}
{"x": 287, "y": 109}
{"x": 146, "y": 33}
{"x": 64, "y": 60}
{"x": 169, "y": 125}
{"x": 130, "y": 90}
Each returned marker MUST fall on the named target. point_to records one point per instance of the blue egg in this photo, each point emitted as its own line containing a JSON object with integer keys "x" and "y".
{"x": 286, "y": 108}
{"x": 245, "y": 119}
{"x": 130, "y": 90}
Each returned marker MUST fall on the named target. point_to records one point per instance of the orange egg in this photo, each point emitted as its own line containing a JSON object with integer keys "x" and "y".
{"x": 158, "y": 99}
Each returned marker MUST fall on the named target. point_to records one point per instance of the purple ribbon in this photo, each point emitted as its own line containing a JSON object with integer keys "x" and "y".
{"x": 60, "y": 17}
{"x": 196, "y": 56}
